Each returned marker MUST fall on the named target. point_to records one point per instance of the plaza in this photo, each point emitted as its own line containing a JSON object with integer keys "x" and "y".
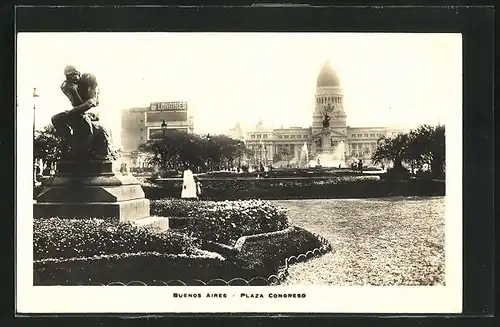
{"x": 284, "y": 147}
{"x": 338, "y": 144}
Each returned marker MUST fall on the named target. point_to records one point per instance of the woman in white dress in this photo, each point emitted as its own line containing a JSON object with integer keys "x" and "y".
{"x": 188, "y": 185}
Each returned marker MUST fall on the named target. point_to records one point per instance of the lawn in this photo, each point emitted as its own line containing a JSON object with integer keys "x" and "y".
{"x": 388, "y": 241}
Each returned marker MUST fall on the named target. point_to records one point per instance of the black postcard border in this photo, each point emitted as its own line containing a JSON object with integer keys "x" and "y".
{"x": 476, "y": 24}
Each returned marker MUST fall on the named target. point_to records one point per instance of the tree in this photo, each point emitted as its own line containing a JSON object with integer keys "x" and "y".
{"x": 393, "y": 150}
{"x": 425, "y": 145}
{"x": 428, "y": 147}
{"x": 172, "y": 149}
{"x": 47, "y": 145}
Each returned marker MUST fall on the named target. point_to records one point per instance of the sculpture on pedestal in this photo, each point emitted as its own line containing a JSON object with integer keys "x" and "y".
{"x": 86, "y": 139}
{"x": 326, "y": 121}
{"x": 85, "y": 185}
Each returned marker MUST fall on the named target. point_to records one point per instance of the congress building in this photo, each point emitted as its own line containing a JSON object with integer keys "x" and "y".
{"x": 328, "y": 142}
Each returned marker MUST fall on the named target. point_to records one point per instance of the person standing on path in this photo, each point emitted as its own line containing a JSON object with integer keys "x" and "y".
{"x": 188, "y": 184}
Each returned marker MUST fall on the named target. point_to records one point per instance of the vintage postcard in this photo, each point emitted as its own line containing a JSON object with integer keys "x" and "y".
{"x": 239, "y": 172}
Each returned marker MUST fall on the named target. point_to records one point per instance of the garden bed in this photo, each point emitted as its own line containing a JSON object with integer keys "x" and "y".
{"x": 267, "y": 253}
{"x": 227, "y": 188}
{"x": 69, "y": 238}
{"x": 268, "y": 189}
{"x": 245, "y": 242}
{"x": 146, "y": 268}
{"x": 223, "y": 222}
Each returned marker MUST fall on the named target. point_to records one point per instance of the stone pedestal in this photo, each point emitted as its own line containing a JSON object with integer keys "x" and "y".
{"x": 326, "y": 141}
{"x": 91, "y": 189}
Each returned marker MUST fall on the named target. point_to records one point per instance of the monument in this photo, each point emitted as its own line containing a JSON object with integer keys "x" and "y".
{"x": 330, "y": 152}
{"x": 85, "y": 184}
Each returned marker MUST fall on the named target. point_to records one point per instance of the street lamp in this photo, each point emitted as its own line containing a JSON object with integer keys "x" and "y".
{"x": 208, "y": 160}
{"x": 261, "y": 147}
{"x": 35, "y": 95}
{"x": 239, "y": 153}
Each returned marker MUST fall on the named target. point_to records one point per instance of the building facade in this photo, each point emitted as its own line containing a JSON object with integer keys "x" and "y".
{"x": 291, "y": 146}
{"x": 332, "y": 145}
{"x": 139, "y": 125}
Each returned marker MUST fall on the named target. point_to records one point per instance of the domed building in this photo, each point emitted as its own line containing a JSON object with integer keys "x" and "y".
{"x": 328, "y": 142}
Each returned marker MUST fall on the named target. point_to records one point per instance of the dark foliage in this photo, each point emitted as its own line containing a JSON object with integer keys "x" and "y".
{"x": 69, "y": 238}
{"x": 267, "y": 189}
{"x": 223, "y": 222}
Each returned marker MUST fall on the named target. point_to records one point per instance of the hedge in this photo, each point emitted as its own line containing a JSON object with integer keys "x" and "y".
{"x": 267, "y": 255}
{"x": 94, "y": 252}
{"x": 75, "y": 238}
{"x": 291, "y": 172}
{"x": 150, "y": 268}
{"x": 266, "y": 189}
{"x": 299, "y": 188}
{"x": 223, "y": 222}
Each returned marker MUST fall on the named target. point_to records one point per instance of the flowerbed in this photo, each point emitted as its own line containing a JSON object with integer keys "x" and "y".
{"x": 144, "y": 268}
{"x": 95, "y": 251}
{"x": 225, "y": 221}
{"x": 319, "y": 188}
{"x": 267, "y": 255}
{"x": 70, "y": 238}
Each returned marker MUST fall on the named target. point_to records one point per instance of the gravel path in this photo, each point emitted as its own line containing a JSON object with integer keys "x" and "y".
{"x": 389, "y": 241}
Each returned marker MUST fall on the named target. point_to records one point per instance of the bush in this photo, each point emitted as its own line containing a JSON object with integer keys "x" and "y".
{"x": 150, "y": 268}
{"x": 68, "y": 238}
{"x": 319, "y": 188}
{"x": 394, "y": 174}
{"x": 291, "y": 172}
{"x": 224, "y": 222}
{"x": 267, "y": 255}
{"x": 176, "y": 207}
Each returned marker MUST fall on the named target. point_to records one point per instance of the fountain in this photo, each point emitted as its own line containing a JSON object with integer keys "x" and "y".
{"x": 304, "y": 156}
{"x": 329, "y": 152}
{"x": 333, "y": 156}
{"x": 340, "y": 154}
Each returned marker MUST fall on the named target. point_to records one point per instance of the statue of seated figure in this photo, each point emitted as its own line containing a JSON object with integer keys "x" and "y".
{"x": 86, "y": 139}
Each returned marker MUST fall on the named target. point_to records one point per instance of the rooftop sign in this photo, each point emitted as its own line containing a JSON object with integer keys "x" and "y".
{"x": 168, "y": 106}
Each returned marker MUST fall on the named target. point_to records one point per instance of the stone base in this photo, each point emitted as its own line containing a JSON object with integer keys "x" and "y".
{"x": 123, "y": 211}
{"x": 91, "y": 190}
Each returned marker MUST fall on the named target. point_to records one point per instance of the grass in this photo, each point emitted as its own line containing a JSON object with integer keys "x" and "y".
{"x": 389, "y": 241}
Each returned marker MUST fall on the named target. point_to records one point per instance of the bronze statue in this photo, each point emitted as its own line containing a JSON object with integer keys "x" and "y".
{"x": 85, "y": 138}
{"x": 326, "y": 121}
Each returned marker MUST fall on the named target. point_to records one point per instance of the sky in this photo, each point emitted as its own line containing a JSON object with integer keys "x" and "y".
{"x": 388, "y": 79}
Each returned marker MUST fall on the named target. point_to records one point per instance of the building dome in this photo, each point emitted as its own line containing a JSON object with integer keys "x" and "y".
{"x": 327, "y": 76}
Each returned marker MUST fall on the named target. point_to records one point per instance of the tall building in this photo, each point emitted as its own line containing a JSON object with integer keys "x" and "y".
{"x": 329, "y": 141}
{"x": 143, "y": 123}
